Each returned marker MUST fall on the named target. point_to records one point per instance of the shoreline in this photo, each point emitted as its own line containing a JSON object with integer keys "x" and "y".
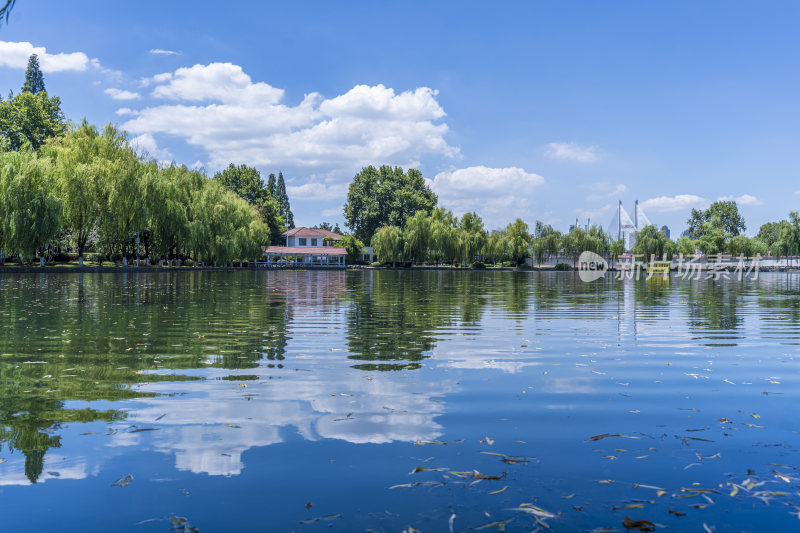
{"x": 62, "y": 269}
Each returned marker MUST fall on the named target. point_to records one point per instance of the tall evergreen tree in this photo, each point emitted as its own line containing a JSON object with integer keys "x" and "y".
{"x": 271, "y": 185}
{"x": 34, "y": 79}
{"x": 283, "y": 202}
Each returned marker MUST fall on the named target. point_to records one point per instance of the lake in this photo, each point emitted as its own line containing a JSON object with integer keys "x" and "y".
{"x": 388, "y": 400}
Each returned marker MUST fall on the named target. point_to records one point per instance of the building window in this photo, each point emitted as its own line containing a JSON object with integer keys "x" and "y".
{"x": 313, "y": 242}
{"x": 302, "y": 241}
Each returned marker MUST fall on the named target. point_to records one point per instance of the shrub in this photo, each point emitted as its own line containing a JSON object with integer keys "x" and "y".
{"x": 377, "y": 263}
{"x": 94, "y": 258}
{"x": 478, "y": 265}
{"x": 188, "y": 263}
{"x": 563, "y": 266}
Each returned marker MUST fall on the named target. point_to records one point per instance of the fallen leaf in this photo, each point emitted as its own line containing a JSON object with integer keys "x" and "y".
{"x": 638, "y": 525}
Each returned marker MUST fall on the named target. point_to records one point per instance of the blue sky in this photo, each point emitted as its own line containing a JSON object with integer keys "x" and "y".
{"x": 545, "y": 111}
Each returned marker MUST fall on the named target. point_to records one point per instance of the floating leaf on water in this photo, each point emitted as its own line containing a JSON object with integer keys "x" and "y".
{"x": 755, "y": 415}
{"x": 424, "y": 469}
{"x": 605, "y": 481}
{"x": 710, "y": 491}
{"x": 661, "y": 493}
{"x": 232, "y": 426}
{"x": 631, "y": 506}
{"x": 709, "y": 529}
{"x": 607, "y": 435}
{"x": 699, "y": 506}
{"x": 321, "y": 519}
{"x": 568, "y": 496}
{"x": 676, "y": 513}
{"x": 421, "y": 442}
{"x": 450, "y": 522}
{"x": 499, "y": 491}
{"x": 418, "y": 484}
{"x": 489, "y": 441}
{"x": 754, "y": 426}
{"x": 186, "y": 492}
{"x": 638, "y": 525}
{"x": 532, "y": 509}
{"x": 428, "y": 460}
{"x": 501, "y": 525}
{"x": 725, "y": 421}
{"x": 139, "y": 430}
{"x": 123, "y": 481}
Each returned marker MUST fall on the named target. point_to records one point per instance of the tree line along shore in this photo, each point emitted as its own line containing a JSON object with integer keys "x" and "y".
{"x": 72, "y": 192}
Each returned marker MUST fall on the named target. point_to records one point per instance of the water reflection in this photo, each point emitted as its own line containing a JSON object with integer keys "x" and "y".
{"x": 216, "y": 364}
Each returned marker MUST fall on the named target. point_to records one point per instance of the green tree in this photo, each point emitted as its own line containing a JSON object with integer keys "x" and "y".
{"x": 385, "y": 196}
{"x": 271, "y": 185}
{"x": 31, "y": 118}
{"x": 518, "y": 241}
{"x": 472, "y": 236}
{"x": 283, "y": 202}
{"x": 246, "y": 183}
{"x": 388, "y": 244}
{"x": 417, "y": 236}
{"x": 687, "y": 246}
{"x": 30, "y": 205}
{"x": 353, "y": 246}
{"x": 770, "y": 232}
{"x": 723, "y": 215}
{"x": 34, "y": 79}
{"x": 652, "y": 242}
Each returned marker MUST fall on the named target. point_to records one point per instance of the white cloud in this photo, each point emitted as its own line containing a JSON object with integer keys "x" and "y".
{"x": 315, "y": 190}
{"x": 120, "y": 94}
{"x": 745, "y": 199}
{"x": 218, "y": 107}
{"x": 571, "y": 151}
{"x": 146, "y": 145}
{"x": 125, "y": 111}
{"x": 16, "y": 54}
{"x": 499, "y": 194}
{"x": 797, "y": 191}
{"x": 162, "y": 52}
{"x": 593, "y": 214}
{"x": 332, "y": 212}
{"x": 603, "y": 190}
{"x": 664, "y": 204}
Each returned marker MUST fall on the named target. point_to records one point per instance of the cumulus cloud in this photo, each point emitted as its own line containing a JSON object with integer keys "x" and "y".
{"x": 571, "y": 151}
{"x": 120, "y": 94}
{"x": 499, "y": 194}
{"x": 146, "y": 145}
{"x": 162, "y": 52}
{"x": 16, "y": 54}
{"x": 604, "y": 190}
{"x": 219, "y": 108}
{"x": 665, "y": 204}
{"x": 745, "y": 199}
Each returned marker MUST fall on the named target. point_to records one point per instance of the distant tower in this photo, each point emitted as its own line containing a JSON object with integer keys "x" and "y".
{"x": 665, "y": 229}
{"x": 636, "y": 215}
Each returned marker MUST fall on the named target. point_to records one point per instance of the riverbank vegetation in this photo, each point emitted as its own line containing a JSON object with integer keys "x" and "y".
{"x": 73, "y": 189}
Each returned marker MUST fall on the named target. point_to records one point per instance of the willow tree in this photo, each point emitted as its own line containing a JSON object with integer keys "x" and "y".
{"x": 167, "y": 207}
{"x": 388, "y": 244}
{"x": 518, "y": 241}
{"x": 417, "y": 236}
{"x": 472, "y": 236}
{"x": 29, "y": 203}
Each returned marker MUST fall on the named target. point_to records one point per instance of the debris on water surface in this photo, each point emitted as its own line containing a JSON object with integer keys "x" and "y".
{"x": 321, "y": 519}
{"x": 180, "y": 523}
{"x": 123, "y": 481}
{"x": 638, "y": 525}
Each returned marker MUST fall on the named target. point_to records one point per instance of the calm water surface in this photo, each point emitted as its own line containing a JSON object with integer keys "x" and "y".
{"x": 306, "y": 401}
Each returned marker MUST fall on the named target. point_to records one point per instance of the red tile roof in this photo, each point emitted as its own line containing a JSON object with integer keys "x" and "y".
{"x": 312, "y": 232}
{"x": 305, "y": 250}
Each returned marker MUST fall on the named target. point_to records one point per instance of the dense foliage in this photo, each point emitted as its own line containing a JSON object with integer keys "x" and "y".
{"x": 385, "y": 196}
{"x": 88, "y": 191}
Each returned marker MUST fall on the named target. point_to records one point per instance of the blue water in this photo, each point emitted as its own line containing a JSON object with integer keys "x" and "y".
{"x": 235, "y": 400}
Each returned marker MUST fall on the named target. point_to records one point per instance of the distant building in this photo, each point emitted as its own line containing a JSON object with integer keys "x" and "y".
{"x": 686, "y": 233}
{"x": 665, "y": 229}
{"x": 308, "y": 246}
